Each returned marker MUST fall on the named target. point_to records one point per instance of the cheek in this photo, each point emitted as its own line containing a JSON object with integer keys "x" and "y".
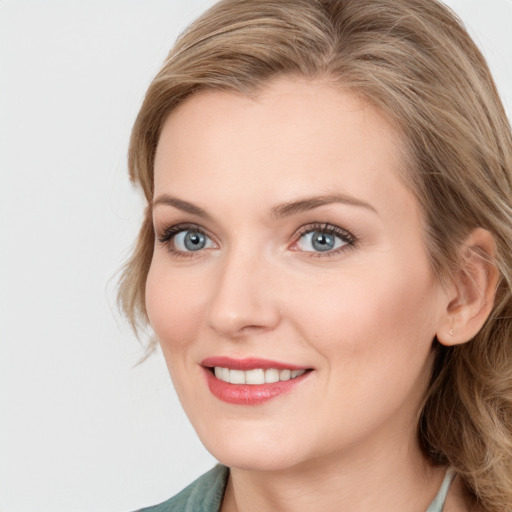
{"x": 374, "y": 336}
{"x": 174, "y": 306}
{"x": 380, "y": 315}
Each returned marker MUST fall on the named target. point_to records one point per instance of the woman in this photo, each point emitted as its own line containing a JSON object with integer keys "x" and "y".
{"x": 325, "y": 256}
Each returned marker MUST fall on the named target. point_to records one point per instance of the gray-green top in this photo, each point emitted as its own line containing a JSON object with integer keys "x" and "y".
{"x": 203, "y": 495}
{"x": 206, "y": 493}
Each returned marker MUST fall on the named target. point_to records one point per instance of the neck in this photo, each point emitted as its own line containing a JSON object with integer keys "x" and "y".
{"x": 397, "y": 479}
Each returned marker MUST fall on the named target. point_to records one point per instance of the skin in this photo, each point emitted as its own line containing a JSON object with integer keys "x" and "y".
{"x": 363, "y": 317}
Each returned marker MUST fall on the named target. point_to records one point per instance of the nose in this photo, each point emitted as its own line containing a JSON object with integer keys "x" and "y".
{"x": 245, "y": 299}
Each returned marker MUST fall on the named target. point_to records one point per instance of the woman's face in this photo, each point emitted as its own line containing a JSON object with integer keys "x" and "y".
{"x": 287, "y": 241}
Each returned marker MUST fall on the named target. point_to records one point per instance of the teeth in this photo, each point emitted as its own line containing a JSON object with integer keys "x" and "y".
{"x": 257, "y": 376}
{"x": 237, "y": 376}
{"x": 285, "y": 375}
{"x": 271, "y": 375}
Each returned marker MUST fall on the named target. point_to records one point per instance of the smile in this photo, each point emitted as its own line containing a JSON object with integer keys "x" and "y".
{"x": 251, "y": 381}
{"x": 256, "y": 376}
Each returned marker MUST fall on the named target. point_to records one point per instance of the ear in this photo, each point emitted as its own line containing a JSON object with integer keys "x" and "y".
{"x": 472, "y": 291}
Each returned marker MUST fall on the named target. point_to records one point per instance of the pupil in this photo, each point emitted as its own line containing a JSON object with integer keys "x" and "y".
{"x": 323, "y": 241}
{"x": 194, "y": 241}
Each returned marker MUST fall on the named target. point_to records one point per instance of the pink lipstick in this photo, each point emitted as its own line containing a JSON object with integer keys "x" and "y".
{"x": 251, "y": 381}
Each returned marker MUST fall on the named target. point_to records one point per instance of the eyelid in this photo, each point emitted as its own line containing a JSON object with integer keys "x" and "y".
{"x": 349, "y": 238}
{"x": 165, "y": 235}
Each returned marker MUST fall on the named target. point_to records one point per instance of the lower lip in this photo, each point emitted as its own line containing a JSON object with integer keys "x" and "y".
{"x": 250, "y": 394}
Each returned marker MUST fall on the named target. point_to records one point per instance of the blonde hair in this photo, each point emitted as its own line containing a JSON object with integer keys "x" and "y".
{"x": 413, "y": 60}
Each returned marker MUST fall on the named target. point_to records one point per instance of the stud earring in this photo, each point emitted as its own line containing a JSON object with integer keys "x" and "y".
{"x": 450, "y": 332}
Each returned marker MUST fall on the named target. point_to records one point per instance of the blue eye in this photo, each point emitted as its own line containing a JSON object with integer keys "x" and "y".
{"x": 184, "y": 239}
{"x": 190, "y": 240}
{"x": 327, "y": 239}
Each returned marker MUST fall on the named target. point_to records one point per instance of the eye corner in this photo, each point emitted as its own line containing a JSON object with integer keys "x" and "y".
{"x": 333, "y": 240}
{"x": 174, "y": 238}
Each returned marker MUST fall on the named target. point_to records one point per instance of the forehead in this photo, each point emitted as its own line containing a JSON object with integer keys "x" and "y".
{"x": 292, "y": 136}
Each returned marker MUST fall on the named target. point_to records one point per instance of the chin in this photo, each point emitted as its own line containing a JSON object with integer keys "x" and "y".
{"x": 255, "y": 460}
{"x": 247, "y": 453}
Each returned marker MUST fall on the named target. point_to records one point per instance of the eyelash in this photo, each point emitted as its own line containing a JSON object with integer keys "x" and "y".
{"x": 330, "y": 229}
{"x": 166, "y": 236}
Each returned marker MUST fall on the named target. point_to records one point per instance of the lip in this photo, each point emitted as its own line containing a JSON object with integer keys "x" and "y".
{"x": 249, "y": 394}
{"x": 249, "y": 363}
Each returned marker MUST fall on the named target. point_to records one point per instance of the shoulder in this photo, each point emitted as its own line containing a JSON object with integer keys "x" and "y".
{"x": 203, "y": 495}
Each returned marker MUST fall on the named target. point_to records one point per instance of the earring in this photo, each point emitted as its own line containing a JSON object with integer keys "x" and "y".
{"x": 450, "y": 332}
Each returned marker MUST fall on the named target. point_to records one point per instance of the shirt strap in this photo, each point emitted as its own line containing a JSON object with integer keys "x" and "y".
{"x": 438, "y": 503}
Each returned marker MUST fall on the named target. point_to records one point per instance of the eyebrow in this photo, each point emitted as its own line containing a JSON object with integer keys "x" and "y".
{"x": 277, "y": 212}
{"x": 180, "y": 204}
{"x": 310, "y": 203}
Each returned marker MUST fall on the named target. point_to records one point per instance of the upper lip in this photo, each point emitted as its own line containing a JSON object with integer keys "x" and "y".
{"x": 248, "y": 363}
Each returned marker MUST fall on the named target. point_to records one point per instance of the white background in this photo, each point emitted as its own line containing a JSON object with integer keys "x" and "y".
{"x": 81, "y": 428}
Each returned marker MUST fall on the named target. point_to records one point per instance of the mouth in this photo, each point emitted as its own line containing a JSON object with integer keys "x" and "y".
{"x": 257, "y": 376}
{"x": 251, "y": 381}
